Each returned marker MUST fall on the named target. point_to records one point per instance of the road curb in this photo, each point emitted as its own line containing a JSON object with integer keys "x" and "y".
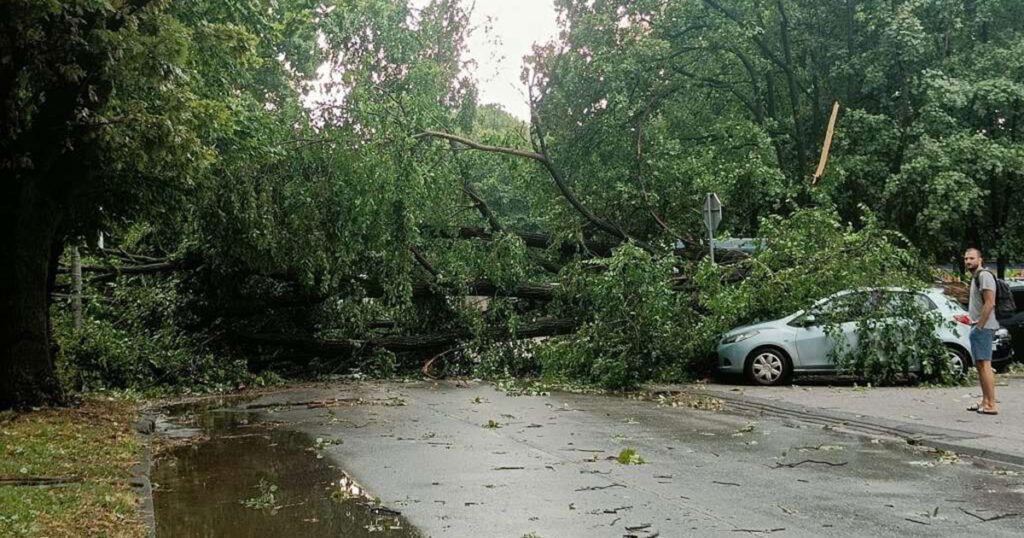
{"x": 864, "y": 425}
{"x": 140, "y": 481}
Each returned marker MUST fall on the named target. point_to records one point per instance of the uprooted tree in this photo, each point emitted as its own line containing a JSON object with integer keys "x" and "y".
{"x": 259, "y": 215}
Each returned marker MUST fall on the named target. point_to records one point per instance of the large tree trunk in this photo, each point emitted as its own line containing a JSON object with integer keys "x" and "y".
{"x": 27, "y": 374}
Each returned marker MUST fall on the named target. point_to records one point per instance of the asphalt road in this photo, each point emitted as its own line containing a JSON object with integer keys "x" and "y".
{"x": 464, "y": 459}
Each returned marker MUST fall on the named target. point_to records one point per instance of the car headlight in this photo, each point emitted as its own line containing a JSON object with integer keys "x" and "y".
{"x": 739, "y": 337}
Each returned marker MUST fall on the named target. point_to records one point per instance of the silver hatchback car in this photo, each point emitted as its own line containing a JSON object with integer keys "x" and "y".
{"x": 770, "y": 353}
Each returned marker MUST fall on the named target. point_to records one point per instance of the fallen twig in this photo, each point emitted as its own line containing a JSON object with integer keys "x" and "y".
{"x": 38, "y": 480}
{"x": 993, "y": 518}
{"x": 792, "y": 465}
{"x": 595, "y": 488}
{"x": 972, "y": 514}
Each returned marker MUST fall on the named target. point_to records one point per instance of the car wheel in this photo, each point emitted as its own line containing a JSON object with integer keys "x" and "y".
{"x": 958, "y": 362}
{"x": 768, "y": 366}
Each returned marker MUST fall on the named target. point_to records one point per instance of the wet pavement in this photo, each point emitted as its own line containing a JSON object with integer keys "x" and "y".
{"x": 464, "y": 459}
{"x": 243, "y": 477}
{"x": 936, "y": 416}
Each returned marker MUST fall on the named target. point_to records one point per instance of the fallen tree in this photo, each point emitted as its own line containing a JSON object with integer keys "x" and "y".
{"x": 424, "y": 342}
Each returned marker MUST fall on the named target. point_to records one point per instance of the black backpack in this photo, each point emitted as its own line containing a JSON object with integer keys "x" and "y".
{"x": 1005, "y": 305}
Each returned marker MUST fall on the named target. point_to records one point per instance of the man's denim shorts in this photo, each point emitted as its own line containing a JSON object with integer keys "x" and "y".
{"x": 981, "y": 343}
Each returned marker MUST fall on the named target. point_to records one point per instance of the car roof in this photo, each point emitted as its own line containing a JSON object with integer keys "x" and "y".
{"x": 927, "y": 291}
{"x": 934, "y": 293}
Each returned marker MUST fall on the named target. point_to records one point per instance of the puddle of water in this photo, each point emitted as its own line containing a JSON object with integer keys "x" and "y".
{"x": 251, "y": 479}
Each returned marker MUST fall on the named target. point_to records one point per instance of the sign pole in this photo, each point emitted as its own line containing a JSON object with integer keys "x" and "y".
{"x": 711, "y": 244}
{"x": 712, "y": 218}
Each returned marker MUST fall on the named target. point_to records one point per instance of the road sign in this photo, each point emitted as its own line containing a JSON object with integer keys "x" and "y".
{"x": 712, "y": 212}
{"x": 712, "y": 218}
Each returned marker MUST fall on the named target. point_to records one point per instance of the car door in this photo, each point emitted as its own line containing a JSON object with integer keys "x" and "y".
{"x": 1016, "y": 324}
{"x": 813, "y": 344}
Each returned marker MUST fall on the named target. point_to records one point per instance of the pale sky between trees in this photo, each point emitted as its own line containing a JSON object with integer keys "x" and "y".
{"x": 504, "y": 32}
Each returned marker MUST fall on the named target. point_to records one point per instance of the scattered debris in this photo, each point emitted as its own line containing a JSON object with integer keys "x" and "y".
{"x": 629, "y": 456}
{"x": 37, "y": 480}
{"x": 615, "y": 510}
{"x": 596, "y": 488}
{"x": 748, "y": 428}
{"x": 682, "y": 399}
{"x": 266, "y": 498}
{"x": 393, "y": 401}
{"x": 347, "y": 488}
{"x": 792, "y": 465}
{"x": 993, "y": 518}
{"x": 823, "y": 448}
{"x": 322, "y": 443}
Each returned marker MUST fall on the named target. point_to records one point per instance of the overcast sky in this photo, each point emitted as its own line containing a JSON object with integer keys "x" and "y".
{"x": 515, "y": 25}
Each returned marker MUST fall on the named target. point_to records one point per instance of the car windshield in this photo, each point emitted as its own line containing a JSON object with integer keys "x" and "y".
{"x": 954, "y": 304}
{"x": 856, "y": 305}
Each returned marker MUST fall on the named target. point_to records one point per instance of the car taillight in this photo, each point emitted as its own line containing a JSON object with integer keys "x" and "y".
{"x": 962, "y": 318}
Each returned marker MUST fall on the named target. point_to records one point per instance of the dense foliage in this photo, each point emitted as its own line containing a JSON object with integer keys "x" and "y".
{"x": 311, "y": 187}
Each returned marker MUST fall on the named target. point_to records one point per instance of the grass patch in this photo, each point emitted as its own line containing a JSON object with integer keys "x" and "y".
{"x": 92, "y": 448}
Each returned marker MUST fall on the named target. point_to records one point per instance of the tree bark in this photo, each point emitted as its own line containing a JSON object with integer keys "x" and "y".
{"x": 794, "y": 91}
{"x": 27, "y": 373}
{"x": 76, "y": 290}
{"x": 542, "y": 241}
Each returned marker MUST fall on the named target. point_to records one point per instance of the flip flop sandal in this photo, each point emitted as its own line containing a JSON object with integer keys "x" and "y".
{"x": 987, "y": 412}
{"x": 974, "y": 407}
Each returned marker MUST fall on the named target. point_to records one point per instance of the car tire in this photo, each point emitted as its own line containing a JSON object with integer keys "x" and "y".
{"x": 768, "y": 366}
{"x": 959, "y": 362}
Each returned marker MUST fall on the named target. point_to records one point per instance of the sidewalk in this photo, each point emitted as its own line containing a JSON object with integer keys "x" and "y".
{"x": 935, "y": 417}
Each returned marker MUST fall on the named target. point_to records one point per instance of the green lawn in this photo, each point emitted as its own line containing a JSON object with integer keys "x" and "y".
{"x": 92, "y": 447}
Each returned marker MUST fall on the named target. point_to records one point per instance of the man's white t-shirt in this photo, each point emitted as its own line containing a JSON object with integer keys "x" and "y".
{"x": 983, "y": 280}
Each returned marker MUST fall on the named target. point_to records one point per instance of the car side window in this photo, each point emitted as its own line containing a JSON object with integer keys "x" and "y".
{"x": 924, "y": 302}
{"x": 843, "y": 309}
{"x": 894, "y": 302}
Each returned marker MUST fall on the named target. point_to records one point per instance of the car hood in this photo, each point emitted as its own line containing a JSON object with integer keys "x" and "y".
{"x": 763, "y": 325}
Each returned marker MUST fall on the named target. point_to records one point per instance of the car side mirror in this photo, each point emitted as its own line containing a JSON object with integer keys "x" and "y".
{"x": 808, "y": 321}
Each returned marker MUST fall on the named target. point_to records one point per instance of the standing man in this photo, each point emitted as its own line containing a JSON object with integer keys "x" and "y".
{"x": 983, "y": 330}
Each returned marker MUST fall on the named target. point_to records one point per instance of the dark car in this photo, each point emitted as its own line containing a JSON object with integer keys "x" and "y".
{"x": 1015, "y": 324}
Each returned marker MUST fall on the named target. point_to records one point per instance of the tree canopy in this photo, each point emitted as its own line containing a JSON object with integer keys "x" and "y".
{"x": 313, "y": 185}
